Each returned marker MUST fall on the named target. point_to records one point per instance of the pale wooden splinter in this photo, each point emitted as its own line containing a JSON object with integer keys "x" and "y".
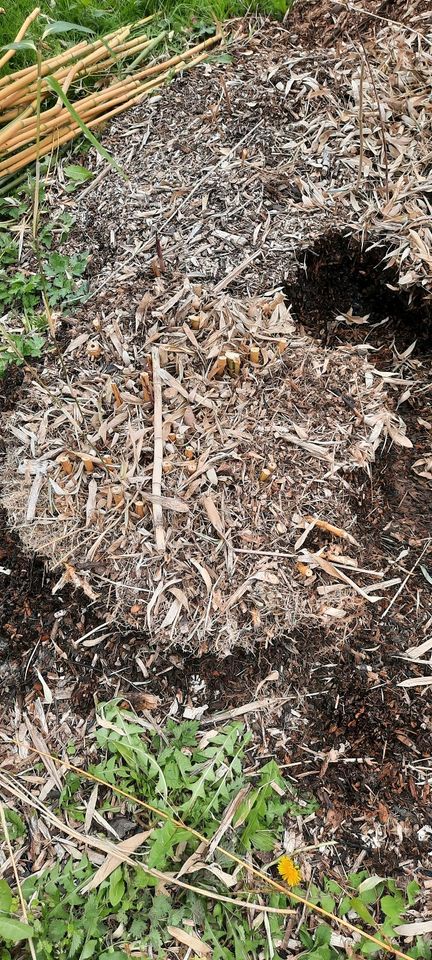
{"x": 158, "y": 452}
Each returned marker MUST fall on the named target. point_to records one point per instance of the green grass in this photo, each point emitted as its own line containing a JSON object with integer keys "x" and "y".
{"x": 106, "y": 15}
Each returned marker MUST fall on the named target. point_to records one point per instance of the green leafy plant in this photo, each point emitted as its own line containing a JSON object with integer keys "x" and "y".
{"x": 76, "y": 175}
{"x": 60, "y": 279}
{"x": 16, "y": 348}
{"x": 196, "y": 778}
{"x": 375, "y": 901}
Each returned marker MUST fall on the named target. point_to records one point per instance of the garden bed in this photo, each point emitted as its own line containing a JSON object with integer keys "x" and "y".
{"x": 261, "y": 231}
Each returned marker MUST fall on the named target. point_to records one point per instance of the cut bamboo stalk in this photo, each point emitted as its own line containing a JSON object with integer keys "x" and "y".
{"x": 95, "y": 64}
{"x": 71, "y": 130}
{"x": 60, "y": 58}
{"x": 61, "y": 136}
{"x": 21, "y": 33}
{"x": 28, "y": 88}
{"x": 27, "y": 130}
{"x": 85, "y": 108}
{"x": 67, "y": 55}
{"x": 106, "y": 97}
{"x": 16, "y": 124}
{"x": 51, "y": 63}
{"x": 24, "y": 81}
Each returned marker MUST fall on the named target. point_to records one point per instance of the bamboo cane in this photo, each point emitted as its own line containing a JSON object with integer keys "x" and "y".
{"x": 60, "y": 58}
{"x": 73, "y": 130}
{"x": 52, "y": 62}
{"x": 29, "y": 78}
{"x": 91, "y": 65}
{"x": 23, "y": 83}
{"x": 101, "y": 109}
{"x": 119, "y": 87}
{"x": 25, "y": 127}
{"x": 21, "y": 33}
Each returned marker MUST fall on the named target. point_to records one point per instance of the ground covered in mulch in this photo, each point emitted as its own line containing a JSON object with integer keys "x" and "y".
{"x": 242, "y": 186}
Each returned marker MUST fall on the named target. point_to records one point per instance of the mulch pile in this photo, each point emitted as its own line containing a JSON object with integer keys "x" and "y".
{"x": 290, "y": 460}
{"x": 175, "y": 460}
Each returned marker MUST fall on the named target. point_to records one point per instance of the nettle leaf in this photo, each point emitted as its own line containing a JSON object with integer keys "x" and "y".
{"x": 412, "y": 890}
{"x": 368, "y": 949}
{"x": 355, "y": 879}
{"x": 5, "y": 897}
{"x": 63, "y": 26}
{"x": 393, "y": 907}
{"x": 220, "y": 58}
{"x": 14, "y": 930}
{"x": 88, "y": 950}
{"x": 322, "y": 934}
{"x": 77, "y": 173}
{"x": 327, "y": 902}
{"x": 164, "y": 840}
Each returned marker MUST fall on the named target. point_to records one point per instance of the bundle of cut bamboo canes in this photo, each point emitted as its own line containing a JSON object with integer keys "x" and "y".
{"x": 31, "y": 128}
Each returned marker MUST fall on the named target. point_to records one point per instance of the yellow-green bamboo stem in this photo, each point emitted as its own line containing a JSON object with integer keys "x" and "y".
{"x": 71, "y": 52}
{"x": 57, "y": 140}
{"x": 131, "y": 83}
{"x": 21, "y": 33}
{"x": 23, "y": 83}
{"x": 24, "y": 128}
{"x": 84, "y": 67}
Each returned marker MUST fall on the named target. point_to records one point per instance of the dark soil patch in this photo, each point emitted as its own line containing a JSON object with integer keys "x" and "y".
{"x": 335, "y": 276}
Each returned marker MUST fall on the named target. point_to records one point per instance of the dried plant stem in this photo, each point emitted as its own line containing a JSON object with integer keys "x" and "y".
{"x": 361, "y": 154}
{"x": 381, "y": 120}
{"x": 158, "y": 452}
{"x": 21, "y": 33}
{"x": 4, "y": 826}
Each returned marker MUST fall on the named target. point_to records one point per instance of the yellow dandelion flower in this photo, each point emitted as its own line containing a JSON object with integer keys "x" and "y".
{"x": 289, "y": 872}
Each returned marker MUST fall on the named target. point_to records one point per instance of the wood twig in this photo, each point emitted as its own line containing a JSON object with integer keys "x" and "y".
{"x": 158, "y": 452}
{"x": 404, "y": 582}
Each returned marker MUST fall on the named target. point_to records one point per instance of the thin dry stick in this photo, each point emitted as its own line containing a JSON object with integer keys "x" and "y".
{"x": 17, "y": 879}
{"x": 158, "y": 452}
{"x": 21, "y": 33}
{"x": 404, "y": 582}
{"x": 361, "y": 154}
{"x": 388, "y": 947}
{"x": 381, "y": 119}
